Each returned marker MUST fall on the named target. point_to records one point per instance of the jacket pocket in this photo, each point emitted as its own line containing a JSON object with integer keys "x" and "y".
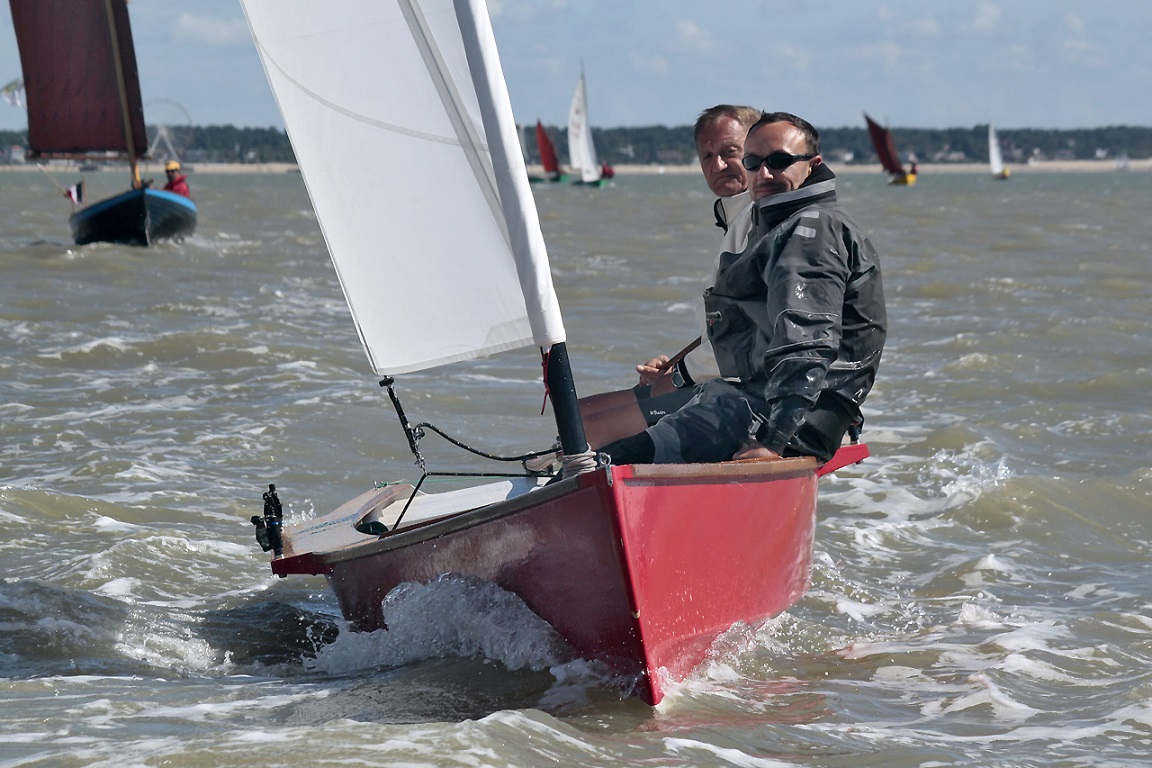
{"x": 732, "y": 334}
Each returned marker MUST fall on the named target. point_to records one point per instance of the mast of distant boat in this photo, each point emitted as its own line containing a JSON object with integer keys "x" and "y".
{"x": 122, "y": 86}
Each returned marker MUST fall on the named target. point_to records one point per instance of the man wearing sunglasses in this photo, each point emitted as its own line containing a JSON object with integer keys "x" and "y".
{"x": 796, "y": 319}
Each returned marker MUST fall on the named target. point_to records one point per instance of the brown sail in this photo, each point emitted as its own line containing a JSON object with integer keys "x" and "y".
{"x": 80, "y": 78}
{"x": 885, "y": 147}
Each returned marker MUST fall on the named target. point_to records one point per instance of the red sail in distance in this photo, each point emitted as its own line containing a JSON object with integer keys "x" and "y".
{"x": 885, "y": 147}
{"x": 71, "y": 81}
{"x": 547, "y": 151}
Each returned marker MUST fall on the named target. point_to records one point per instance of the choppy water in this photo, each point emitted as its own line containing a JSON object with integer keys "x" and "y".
{"x": 983, "y": 586}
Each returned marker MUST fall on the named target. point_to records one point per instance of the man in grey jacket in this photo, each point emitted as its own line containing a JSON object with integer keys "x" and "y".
{"x": 796, "y": 319}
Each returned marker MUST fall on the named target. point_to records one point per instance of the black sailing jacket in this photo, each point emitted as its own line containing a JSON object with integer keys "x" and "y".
{"x": 801, "y": 310}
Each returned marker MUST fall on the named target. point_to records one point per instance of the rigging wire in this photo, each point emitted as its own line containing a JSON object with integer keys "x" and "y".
{"x": 415, "y": 433}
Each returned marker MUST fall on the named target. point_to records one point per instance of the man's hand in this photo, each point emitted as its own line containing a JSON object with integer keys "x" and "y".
{"x": 652, "y": 370}
{"x": 753, "y": 450}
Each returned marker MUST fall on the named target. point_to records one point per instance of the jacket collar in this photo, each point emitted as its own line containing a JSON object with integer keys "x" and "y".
{"x": 819, "y": 187}
{"x": 726, "y": 208}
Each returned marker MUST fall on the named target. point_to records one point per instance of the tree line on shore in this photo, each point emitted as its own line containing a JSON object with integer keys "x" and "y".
{"x": 663, "y": 145}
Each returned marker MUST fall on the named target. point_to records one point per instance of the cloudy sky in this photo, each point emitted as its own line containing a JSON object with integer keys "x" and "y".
{"x": 912, "y": 63}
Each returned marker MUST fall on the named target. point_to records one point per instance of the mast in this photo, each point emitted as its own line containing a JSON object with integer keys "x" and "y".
{"x": 125, "y": 110}
{"x": 565, "y": 404}
{"x": 513, "y": 191}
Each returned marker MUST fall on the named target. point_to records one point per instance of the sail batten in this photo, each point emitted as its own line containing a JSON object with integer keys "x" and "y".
{"x": 74, "y": 62}
{"x": 402, "y": 130}
{"x": 470, "y": 142}
{"x": 438, "y": 252}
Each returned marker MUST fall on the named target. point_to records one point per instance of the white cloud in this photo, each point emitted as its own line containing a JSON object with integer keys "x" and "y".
{"x": 1019, "y": 56}
{"x": 213, "y": 31}
{"x": 1083, "y": 53}
{"x": 886, "y": 54}
{"x": 653, "y": 64}
{"x": 924, "y": 28}
{"x": 792, "y": 58}
{"x": 691, "y": 36}
{"x": 987, "y": 17}
{"x": 518, "y": 10}
{"x": 1078, "y": 48}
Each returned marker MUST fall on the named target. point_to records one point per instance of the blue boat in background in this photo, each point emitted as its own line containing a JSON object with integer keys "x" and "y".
{"x": 83, "y": 95}
{"x": 135, "y": 217}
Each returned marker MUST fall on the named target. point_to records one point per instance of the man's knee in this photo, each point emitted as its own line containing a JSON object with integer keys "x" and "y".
{"x": 637, "y": 449}
{"x": 605, "y": 426}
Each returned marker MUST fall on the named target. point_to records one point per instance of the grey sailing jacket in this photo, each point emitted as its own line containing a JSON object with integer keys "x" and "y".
{"x": 800, "y": 311}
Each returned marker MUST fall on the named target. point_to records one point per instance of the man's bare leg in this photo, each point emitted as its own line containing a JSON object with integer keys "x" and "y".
{"x": 610, "y": 416}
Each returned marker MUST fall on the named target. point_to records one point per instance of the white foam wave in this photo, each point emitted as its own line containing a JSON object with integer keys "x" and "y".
{"x": 450, "y": 616}
{"x": 456, "y": 616}
{"x": 696, "y": 752}
{"x": 490, "y": 379}
{"x": 114, "y": 343}
{"x": 947, "y": 480}
{"x": 986, "y": 695}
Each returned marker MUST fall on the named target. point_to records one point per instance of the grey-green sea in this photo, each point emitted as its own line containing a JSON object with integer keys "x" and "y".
{"x": 982, "y": 586}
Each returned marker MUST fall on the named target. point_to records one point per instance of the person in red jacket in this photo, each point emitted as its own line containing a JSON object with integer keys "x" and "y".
{"x": 177, "y": 182}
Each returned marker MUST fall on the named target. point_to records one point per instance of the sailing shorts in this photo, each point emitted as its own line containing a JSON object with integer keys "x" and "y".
{"x": 657, "y": 407}
{"x": 720, "y": 417}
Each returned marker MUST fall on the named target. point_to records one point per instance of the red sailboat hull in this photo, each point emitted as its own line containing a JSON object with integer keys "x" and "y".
{"x": 641, "y": 567}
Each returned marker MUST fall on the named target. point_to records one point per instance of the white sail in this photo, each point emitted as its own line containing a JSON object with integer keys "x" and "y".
{"x": 400, "y": 119}
{"x": 995, "y": 159}
{"x": 581, "y": 152}
{"x": 13, "y": 93}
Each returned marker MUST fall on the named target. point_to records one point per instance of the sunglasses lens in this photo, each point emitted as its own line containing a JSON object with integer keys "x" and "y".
{"x": 778, "y": 161}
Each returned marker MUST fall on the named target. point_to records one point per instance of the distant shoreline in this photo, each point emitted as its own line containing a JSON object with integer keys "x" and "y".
{"x": 926, "y": 169}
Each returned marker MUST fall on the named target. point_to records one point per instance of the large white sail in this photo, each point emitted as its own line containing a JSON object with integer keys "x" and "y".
{"x": 995, "y": 159}
{"x": 581, "y": 151}
{"x": 400, "y": 119}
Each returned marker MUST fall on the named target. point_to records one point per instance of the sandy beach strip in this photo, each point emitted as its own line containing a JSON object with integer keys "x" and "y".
{"x": 926, "y": 169}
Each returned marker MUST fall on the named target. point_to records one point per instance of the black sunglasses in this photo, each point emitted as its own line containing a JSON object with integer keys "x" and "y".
{"x": 777, "y": 161}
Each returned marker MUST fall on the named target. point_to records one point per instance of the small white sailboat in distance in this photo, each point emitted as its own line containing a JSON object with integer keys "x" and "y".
{"x": 995, "y": 159}
{"x": 581, "y": 150}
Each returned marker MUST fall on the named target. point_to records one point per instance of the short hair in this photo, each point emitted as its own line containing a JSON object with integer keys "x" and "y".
{"x": 811, "y": 135}
{"x": 746, "y": 116}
